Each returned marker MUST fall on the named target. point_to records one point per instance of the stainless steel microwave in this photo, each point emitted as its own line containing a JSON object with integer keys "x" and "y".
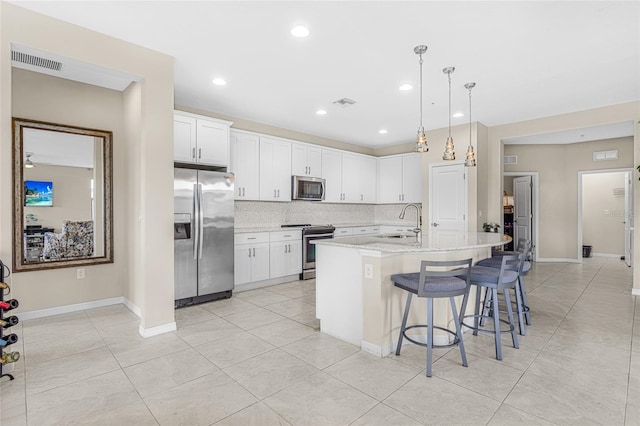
{"x": 307, "y": 188}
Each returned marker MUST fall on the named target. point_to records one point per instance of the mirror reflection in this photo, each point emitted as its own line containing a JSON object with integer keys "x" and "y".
{"x": 62, "y": 195}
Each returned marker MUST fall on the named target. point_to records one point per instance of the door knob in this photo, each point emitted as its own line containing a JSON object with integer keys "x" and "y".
{"x": 435, "y": 224}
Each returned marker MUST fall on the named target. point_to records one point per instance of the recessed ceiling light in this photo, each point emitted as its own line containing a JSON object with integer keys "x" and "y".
{"x": 321, "y": 112}
{"x": 299, "y": 31}
{"x": 382, "y": 131}
{"x": 406, "y": 86}
{"x": 458, "y": 114}
{"x": 219, "y": 81}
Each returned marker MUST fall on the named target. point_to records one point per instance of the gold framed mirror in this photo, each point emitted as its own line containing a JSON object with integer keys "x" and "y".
{"x": 62, "y": 196}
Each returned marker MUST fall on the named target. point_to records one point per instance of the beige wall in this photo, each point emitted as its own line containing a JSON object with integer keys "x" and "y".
{"x": 557, "y": 167}
{"x": 144, "y": 234}
{"x": 603, "y": 212}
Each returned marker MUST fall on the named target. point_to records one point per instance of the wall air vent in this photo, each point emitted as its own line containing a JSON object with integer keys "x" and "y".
{"x": 344, "y": 102}
{"x": 618, "y": 192}
{"x": 510, "y": 159}
{"x": 36, "y": 61}
{"x": 605, "y": 155}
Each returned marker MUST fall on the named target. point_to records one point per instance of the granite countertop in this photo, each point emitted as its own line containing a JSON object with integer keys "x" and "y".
{"x": 432, "y": 241}
{"x": 271, "y": 228}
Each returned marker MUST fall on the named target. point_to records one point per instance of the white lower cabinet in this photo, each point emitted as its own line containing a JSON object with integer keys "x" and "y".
{"x": 285, "y": 253}
{"x": 251, "y": 257}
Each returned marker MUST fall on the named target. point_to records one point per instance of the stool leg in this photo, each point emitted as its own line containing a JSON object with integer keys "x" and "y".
{"x": 525, "y": 304}
{"x": 496, "y": 325}
{"x": 404, "y": 323}
{"x": 429, "y": 335}
{"x": 514, "y": 335}
{"x": 477, "y": 310}
{"x": 463, "y": 308}
{"x": 456, "y": 320}
{"x": 519, "y": 309}
{"x": 486, "y": 309}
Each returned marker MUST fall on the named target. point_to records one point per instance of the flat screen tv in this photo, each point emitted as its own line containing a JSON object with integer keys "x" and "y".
{"x": 38, "y": 193}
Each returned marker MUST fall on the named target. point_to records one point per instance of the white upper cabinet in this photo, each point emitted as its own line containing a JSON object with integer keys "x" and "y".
{"x": 245, "y": 164}
{"x": 200, "y": 140}
{"x": 306, "y": 160}
{"x": 275, "y": 170}
{"x": 350, "y": 178}
{"x": 400, "y": 179}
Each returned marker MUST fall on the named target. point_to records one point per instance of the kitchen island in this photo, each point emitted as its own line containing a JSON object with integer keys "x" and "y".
{"x": 356, "y": 300}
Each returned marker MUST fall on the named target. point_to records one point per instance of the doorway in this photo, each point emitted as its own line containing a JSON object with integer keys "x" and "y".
{"x": 605, "y": 217}
{"x": 520, "y": 205}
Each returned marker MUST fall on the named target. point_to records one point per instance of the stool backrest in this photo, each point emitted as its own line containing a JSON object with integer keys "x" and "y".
{"x": 511, "y": 263}
{"x": 436, "y": 269}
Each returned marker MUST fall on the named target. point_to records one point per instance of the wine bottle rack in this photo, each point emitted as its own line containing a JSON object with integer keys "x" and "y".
{"x": 6, "y": 321}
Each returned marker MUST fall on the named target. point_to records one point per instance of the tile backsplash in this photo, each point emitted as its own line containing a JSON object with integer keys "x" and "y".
{"x": 251, "y": 214}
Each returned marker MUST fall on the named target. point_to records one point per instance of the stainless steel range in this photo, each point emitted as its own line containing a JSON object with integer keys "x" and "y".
{"x": 309, "y": 234}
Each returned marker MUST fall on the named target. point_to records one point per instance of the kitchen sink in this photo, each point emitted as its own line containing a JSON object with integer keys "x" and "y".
{"x": 396, "y": 235}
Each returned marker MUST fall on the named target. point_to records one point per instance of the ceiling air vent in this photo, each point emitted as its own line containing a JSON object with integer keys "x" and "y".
{"x": 36, "y": 61}
{"x": 605, "y": 155}
{"x": 510, "y": 159}
{"x": 344, "y": 102}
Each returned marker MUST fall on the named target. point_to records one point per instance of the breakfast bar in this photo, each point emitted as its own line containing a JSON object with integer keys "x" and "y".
{"x": 355, "y": 298}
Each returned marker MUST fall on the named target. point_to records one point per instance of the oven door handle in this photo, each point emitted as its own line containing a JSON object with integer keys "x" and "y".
{"x": 317, "y": 235}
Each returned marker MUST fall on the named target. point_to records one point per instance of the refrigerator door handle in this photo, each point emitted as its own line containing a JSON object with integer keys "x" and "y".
{"x": 200, "y": 222}
{"x": 196, "y": 220}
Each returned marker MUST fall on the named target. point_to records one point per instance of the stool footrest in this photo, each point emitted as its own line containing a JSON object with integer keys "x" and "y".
{"x": 415, "y": 342}
{"x": 482, "y": 330}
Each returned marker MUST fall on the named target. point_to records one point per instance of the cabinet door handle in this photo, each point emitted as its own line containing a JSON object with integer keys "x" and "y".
{"x": 193, "y": 153}
{"x": 199, "y": 153}
{"x": 243, "y": 194}
{"x": 239, "y": 191}
{"x": 399, "y": 197}
{"x": 361, "y": 197}
{"x": 254, "y": 252}
{"x": 249, "y": 252}
{"x": 278, "y": 193}
{"x": 274, "y": 193}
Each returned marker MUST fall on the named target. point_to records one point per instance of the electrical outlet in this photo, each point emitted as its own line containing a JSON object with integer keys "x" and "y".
{"x": 80, "y": 274}
{"x": 368, "y": 270}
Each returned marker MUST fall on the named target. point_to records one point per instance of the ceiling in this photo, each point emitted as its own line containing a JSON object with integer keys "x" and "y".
{"x": 529, "y": 59}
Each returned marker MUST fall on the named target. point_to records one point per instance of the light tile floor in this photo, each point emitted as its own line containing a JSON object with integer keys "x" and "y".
{"x": 258, "y": 359}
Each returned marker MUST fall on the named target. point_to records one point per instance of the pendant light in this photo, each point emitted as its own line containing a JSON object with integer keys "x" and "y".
{"x": 28, "y": 163}
{"x": 470, "y": 161}
{"x": 449, "y": 152}
{"x": 421, "y": 144}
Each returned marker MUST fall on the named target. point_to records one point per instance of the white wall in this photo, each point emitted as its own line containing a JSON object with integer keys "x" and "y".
{"x": 603, "y": 212}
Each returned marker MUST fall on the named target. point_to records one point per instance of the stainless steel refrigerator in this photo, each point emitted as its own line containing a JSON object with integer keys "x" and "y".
{"x": 203, "y": 235}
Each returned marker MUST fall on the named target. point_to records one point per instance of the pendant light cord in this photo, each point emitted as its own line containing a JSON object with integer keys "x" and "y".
{"x": 421, "y": 126}
{"x": 449, "y": 75}
{"x": 470, "y": 117}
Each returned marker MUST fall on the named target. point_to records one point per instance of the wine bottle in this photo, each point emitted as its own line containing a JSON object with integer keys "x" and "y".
{"x": 9, "y": 304}
{"x": 9, "y": 357}
{"x": 9, "y": 339}
{"x": 9, "y": 321}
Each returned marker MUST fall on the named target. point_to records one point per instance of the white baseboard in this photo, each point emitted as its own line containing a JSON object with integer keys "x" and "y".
{"x": 133, "y": 308}
{"x": 556, "y": 260}
{"x": 58, "y": 310}
{"x": 376, "y": 350}
{"x": 635, "y": 291}
{"x": 239, "y": 288}
{"x": 615, "y": 256}
{"x": 154, "y": 331}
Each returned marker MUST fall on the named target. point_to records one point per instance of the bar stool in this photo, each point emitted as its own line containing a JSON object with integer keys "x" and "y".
{"x": 494, "y": 279}
{"x": 522, "y": 305}
{"x": 432, "y": 284}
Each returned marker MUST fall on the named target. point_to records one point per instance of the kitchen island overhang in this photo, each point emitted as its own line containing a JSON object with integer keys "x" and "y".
{"x": 356, "y": 300}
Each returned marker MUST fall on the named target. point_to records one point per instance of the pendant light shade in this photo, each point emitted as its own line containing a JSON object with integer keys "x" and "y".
{"x": 470, "y": 160}
{"x": 421, "y": 144}
{"x": 449, "y": 150}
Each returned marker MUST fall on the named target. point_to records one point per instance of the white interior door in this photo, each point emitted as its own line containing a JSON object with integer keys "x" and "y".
{"x": 522, "y": 208}
{"x": 448, "y": 197}
{"x": 628, "y": 219}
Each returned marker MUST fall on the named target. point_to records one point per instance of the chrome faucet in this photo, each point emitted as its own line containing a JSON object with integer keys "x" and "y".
{"x": 418, "y": 227}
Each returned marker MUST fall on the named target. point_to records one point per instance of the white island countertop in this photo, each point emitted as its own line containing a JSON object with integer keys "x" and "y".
{"x": 430, "y": 242}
